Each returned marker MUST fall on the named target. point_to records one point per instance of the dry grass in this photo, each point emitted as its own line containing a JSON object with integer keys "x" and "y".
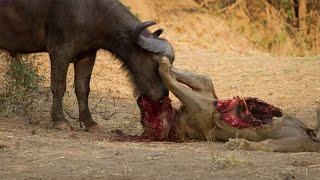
{"x": 220, "y": 161}
{"x": 266, "y": 27}
{"x": 38, "y": 151}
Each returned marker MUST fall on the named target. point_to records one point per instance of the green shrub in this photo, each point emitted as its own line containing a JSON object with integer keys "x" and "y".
{"x": 21, "y": 85}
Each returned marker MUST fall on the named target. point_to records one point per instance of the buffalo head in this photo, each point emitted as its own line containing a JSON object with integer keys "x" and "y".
{"x": 145, "y": 49}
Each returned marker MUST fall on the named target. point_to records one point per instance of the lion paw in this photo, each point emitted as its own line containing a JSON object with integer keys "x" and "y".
{"x": 235, "y": 144}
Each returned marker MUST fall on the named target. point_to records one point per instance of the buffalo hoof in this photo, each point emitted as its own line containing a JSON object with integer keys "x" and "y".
{"x": 63, "y": 126}
{"x": 95, "y": 129}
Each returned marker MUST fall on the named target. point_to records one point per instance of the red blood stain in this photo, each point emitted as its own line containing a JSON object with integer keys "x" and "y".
{"x": 158, "y": 117}
{"x": 247, "y": 112}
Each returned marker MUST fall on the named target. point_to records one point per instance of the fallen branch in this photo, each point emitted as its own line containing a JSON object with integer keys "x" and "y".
{"x": 70, "y": 115}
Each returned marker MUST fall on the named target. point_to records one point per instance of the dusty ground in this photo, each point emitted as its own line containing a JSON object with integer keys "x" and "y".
{"x": 37, "y": 151}
{"x": 31, "y": 149}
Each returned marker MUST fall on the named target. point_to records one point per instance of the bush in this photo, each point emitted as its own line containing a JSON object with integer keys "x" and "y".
{"x": 21, "y": 86}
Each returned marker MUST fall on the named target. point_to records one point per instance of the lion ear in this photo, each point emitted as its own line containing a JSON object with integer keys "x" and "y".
{"x": 157, "y": 33}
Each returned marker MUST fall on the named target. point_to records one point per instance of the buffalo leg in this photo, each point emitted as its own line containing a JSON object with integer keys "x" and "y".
{"x": 83, "y": 70}
{"x": 59, "y": 69}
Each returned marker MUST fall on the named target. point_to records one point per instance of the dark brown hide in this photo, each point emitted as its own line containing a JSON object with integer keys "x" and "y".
{"x": 72, "y": 31}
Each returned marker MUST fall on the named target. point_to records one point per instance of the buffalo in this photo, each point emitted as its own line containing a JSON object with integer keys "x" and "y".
{"x": 72, "y": 31}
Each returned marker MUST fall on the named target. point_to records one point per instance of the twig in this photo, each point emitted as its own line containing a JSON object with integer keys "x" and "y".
{"x": 96, "y": 105}
{"x": 228, "y": 8}
{"x": 71, "y": 116}
{"x": 115, "y": 111}
{"x": 314, "y": 166}
{"x": 110, "y": 116}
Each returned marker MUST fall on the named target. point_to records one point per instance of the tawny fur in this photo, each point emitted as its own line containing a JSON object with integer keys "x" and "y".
{"x": 198, "y": 120}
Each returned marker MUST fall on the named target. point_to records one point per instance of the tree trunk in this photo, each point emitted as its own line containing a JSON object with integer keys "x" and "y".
{"x": 303, "y": 16}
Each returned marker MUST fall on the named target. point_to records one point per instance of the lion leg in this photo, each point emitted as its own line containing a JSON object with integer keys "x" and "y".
{"x": 244, "y": 144}
{"x": 188, "y": 97}
{"x": 194, "y": 81}
{"x": 288, "y": 144}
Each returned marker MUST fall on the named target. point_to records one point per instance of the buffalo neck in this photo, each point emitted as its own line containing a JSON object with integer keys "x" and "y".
{"x": 119, "y": 26}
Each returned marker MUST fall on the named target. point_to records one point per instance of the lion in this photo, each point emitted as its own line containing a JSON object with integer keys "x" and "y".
{"x": 199, "y": 118}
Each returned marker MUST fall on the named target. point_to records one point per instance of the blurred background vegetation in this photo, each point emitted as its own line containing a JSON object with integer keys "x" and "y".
{"x": 195, "y": 28}
{"x": 281, "y": 27}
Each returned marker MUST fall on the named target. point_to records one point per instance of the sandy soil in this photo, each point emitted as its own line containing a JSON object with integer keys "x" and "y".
{"x": 31, "y": 149}
{"x": 37, "y": 151}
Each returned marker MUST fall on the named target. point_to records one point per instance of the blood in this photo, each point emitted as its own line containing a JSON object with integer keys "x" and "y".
{"x": 157, "y": 118}
{"x": 247, "y": 112}
{"x": 228, "y": 113}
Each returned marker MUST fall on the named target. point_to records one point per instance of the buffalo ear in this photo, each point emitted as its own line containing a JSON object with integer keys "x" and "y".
{"x": 157, "y": 33}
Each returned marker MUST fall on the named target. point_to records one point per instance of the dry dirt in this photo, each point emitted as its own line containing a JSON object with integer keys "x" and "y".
{"x": 31, "y": 149}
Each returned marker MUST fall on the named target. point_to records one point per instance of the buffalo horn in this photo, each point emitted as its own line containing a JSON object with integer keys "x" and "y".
{"x": 141, "y": 27}
{"x": 157, "y": 46}
{"x": 151, "y": 43}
